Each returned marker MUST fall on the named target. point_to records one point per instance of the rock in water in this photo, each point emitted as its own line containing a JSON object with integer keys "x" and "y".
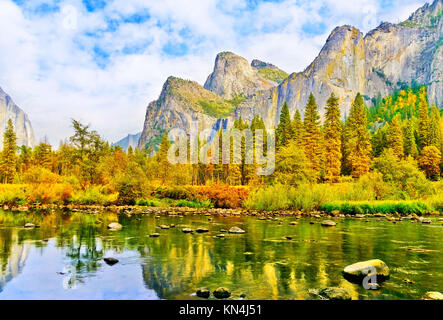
{"x": 187, "y": 230}
{"x": 203, "y": 293}
{"x": 29, "y": 225}
{"x": 154, "y": 235}
{"x": 328, "y": 223}
{"x": 236, "y": 230}
{"x": 433, "y": 295}
{"x": 335, "y": 293}
{"x": 110, "y": 261}
{"x": 221, "y": 293}
{"x": 164, "y": 227}
{"x": 359, "y": 270}
{"x": 201, "y": 230}
{"x": 114, "y": 226}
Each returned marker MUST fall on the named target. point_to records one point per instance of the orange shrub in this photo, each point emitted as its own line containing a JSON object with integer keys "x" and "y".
{"x": 223, "y": 196}
{"x": 49, "y": 193}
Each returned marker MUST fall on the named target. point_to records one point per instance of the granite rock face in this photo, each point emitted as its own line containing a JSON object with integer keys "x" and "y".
{"x": 131, "y": 140}
{"x": 233, "y": 76}
{"x": 20, "y": 120}
{"x": 350, "y": 62}
{"x": 372, "y": 64}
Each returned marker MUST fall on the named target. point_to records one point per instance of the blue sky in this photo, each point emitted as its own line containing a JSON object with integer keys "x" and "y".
{"x": 103, "y": 61}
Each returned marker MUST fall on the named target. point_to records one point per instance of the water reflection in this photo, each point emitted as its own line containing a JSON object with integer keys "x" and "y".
{"x": 63, "y": 258}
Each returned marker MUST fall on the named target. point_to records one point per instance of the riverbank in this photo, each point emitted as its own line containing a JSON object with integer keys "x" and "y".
{"x": 261, "y": 214}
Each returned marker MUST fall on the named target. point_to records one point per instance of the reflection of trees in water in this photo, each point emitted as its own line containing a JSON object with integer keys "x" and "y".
{"x": 175, "y": 264}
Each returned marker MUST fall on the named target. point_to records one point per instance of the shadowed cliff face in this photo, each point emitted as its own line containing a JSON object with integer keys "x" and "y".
{"x": 20, "y": 120}
{"x": 350, "y": 62}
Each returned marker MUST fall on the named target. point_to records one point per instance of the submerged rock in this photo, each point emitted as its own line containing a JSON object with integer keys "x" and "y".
{"x": 114, "y": 226}
{"x": 433, "y": 295}
{"x": 203, "y": 293}
{"x": 335, "y": 293}
{"x": 359, "y": 270}
{"x": 328, "y": 223}
{"x": 236, "y": 230}
{"x": 221, "y": 293}
{"x": 154, "y": 235}
{"x": 110, "y": 261}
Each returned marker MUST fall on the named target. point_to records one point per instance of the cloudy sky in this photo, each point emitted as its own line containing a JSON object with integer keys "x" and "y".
{"x": 102, "y": 62}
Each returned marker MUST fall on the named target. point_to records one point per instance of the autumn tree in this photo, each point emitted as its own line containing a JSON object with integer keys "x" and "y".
{"x": 434, "y": 128}
{"x": 430, "y": 162}
{"x": 356, "y": 139}
{"x": 410, "y": 145}
{"x": 395, "y": 137}
{"x": 424, "y": 122}
{"x": 312, "y": 139}
{"x": 9, "y": 153}
{"x": 332, "y": 140}
{"x": 297, "y": 128}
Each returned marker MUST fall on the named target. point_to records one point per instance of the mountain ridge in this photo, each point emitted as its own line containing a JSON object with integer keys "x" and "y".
{"x": 375, "y": 63}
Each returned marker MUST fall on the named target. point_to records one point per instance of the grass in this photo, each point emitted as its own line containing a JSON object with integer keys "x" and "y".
{"x": 373, "y": 207}
{"x": 272, "y": 74}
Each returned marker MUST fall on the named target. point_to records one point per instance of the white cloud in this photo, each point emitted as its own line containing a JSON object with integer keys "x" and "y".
{"x": 48, "y": 65}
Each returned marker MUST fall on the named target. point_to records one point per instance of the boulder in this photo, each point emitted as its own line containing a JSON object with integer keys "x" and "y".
{"x": 328, "y": 223}
{"x": 433, "y": 295}
{"x": 335, "y": 293}
{"x": 425, "y": 220}
{"x": 201, "y": 230}
{"x": 114, "y": 226}
{"x": 203, "y": 293}
{"x": 110, "y": 261}
{"x": 187, "y": 230}
{"x": 29, "y": 225}
{"x": 359, "y": 270}
{"x": 221, "y": 293}
{"x": 236, "y": 230}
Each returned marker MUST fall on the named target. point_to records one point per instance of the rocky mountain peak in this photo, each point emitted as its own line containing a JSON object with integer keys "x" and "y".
{"x": 233, "y": 77}
{"x": 20, "y": 120}
{"x": 427, "y": 16}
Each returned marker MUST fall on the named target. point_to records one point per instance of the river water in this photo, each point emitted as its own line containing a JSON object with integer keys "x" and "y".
{"x": 63, "y": 257}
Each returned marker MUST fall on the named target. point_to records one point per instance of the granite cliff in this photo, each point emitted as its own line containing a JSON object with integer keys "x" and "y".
{"x": 350, "y": 62}
{"x": 20, "y": 120}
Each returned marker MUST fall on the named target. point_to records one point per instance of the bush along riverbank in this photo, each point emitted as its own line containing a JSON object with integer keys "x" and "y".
{"x": 306, "y": 199}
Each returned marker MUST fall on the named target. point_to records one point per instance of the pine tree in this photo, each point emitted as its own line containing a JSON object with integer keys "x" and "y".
{"x": 424, "y": 122}
{"x": 9, "y": 153}
{"x": 297, "y": 128}
{"x": 332, "y": 136}
{"x": 164, "y": 166}
{"x": 356, "y": 140}
{"x": 284, "y": 129}
{"x": 430, "y": 162}
{"x": 395, "y": 137}
{"x": 410, "y": 146}
{"x": 434, "y": 128}
{"x": 312, "y": 140}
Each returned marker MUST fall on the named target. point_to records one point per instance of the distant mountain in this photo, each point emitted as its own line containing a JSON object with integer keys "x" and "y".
{"x": 20, "y": 120}
{"x": 129, "y": 140}
{"x": 387, "y": 57}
